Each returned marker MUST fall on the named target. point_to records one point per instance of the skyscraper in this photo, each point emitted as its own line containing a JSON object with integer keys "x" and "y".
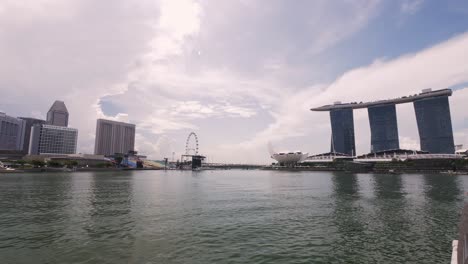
{"x": 432, "y": 114}
{"x": 58, "y": 114}
{"x": 342, "y": 124}
{"x": 54, "y": 137}
{"x": 435, "y": 124}
{"x": 114, "y": 137}
{"x": 29, "y": 123}
{"x": 48, "y": 139}
{"x": 11, "y": 132}
{"x": 384, "y": 128}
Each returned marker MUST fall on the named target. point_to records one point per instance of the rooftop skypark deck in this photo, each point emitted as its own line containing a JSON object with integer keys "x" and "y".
{"x": 405, "y": 99}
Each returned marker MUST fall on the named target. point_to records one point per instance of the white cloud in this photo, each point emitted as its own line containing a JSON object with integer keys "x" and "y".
{"x": 409, "y": 143}
{"x": 437, "y": 67}
{"x": 158, "y": 77}
{"x": 179, "y": 19}
{"x": 195, "y": 110}
{"x": 156, "y": 148}
{"x": 27, "y": 11}
{"x": 172, "y": 66}
{"x": 158, "y": 124}
{"x": 190, "y": 73}
{"x": 411, "y": 6}
{"x": 76, "y": 51}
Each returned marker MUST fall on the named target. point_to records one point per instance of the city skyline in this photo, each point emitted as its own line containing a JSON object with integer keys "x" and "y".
{"x": 234, "y": 131}
{"x": 238, "y": 88}
{"x": 33, "y": 136}
{"x": 112, "y": 136}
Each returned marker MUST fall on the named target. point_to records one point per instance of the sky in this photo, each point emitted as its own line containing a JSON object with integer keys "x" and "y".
{"x": 240, "y": 74}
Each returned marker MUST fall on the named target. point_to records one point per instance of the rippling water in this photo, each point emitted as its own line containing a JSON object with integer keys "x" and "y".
{"x": 228, "y": 217}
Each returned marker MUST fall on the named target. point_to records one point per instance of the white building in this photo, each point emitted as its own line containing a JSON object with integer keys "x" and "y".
{"x": 48, "y": 139}
{"x": 289, "y": 158}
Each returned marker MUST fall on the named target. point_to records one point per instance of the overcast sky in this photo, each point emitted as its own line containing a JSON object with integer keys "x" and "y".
{"x": 240, "y": 73}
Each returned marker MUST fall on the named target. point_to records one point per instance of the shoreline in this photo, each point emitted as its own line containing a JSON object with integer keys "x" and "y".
{"x": 48, "y": 170}
{"x": 266, "y": 168}
{"x": 390, "y": 171}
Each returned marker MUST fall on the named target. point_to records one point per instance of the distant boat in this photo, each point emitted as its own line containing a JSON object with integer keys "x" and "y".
{"x": 4, "y": 169}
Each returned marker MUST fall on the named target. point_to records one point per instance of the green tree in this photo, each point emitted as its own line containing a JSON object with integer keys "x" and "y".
{"x": 20, "y": 163}
{"x": 38, "y": 163}
{"x": 54, "y": 164}
{"x": 103, "y": 165}
{"x": 71, "y": 163}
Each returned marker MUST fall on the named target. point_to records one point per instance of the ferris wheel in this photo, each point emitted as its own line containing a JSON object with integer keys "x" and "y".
{"x": 191, "y": 146}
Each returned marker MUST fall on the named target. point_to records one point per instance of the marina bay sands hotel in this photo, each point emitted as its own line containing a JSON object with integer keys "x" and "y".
{"x": 432, "y": 115}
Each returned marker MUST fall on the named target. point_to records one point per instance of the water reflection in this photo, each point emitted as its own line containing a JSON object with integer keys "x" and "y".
{"x": 348, "y": 246}
{"x": 443, "y": 188}
{"x": 111, "y": 209}
{"x": 227, "y": 217}
{"x": 441, "y": 210}
{"x": 391, "y": 223}
{"x": 33, "y": 214}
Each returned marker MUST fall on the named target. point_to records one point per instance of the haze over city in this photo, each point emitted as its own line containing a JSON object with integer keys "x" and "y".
{"x": 238, "y": 73}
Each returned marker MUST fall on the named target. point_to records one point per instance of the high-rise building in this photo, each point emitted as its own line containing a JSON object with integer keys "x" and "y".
{"x": 48, "y": 139}
{"x": 342, "y": 125}
{"x": 384, "y": 128}
{"x": 54, "y": 136}
{"x": 432, "y": 114}
{"x": 11, "y": 132}
{"x": 58, "y": 114}
{"x": 435, "y": 124}
{"x": 29, "y": 123}
{"x": 114, "y": 137}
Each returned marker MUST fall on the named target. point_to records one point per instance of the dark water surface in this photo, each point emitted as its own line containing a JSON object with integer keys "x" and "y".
{"x": 228, "y": 217}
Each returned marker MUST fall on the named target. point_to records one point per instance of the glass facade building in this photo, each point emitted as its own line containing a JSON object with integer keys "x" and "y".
{"x": 29, "y": 123}
{"x": 11, "y": 132}
{"x": 384, "y": 128}
{"x": 48, "y": 139}
{"x": 342, "y": 125}
{"x": 435, "y": 124}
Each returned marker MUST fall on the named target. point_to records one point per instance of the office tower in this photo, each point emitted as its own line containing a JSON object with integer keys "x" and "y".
{"x": 435, "y": 124}
{"x": 384, "y": 128}
{"x": 114, "y": 137}
{"x": 29, "y": 123}
{"x": 48, "y": 139}
{"x": 11, "y": 132}
{"x": 58, "y": 114}
{"x": 342, "y": 125}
